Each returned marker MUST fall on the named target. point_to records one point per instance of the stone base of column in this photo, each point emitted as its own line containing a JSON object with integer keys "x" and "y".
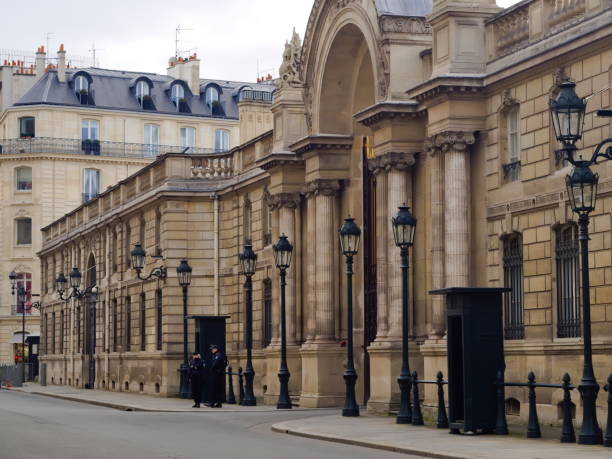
{"x": 434, "y": 360}
{"x": 385, "y": 366}
{"x": 272, "y": 364}
{"x": 322, "y": 375}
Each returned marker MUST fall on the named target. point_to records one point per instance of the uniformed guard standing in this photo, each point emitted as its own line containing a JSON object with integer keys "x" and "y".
{"x": 218, "y": 362}
{"x": 196, "y": 377}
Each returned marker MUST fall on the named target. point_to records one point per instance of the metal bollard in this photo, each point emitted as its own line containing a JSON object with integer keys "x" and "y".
{"x": 608, "y": 437}
{"x": 533, "y": 428}
{"x": 567, "y": 433}
{"x": 417, "y": 416}
{"x": 231, "y": 397}
{"x": 501, "y": 425}
{"x": 240, "y": 386}
{"x": 442, "y": 418}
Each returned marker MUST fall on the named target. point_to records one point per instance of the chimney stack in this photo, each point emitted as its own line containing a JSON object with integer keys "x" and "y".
{"x": 61, "y": 64}
{"x": 41, "y": 58}
{"x": 187, "y": 70}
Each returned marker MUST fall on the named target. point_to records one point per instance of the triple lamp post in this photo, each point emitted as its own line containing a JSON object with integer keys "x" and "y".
{"x": 568, "y": 112}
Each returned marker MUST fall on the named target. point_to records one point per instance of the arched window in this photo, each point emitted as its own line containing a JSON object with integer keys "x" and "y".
{"x": 142, "y": 90}
{"x": 81, "y": 84}
{"x": 26, "y": 127}
{"x": 221, "y": 140}
{"x": 212, "y": 96}
{"x": 177, "y": 94}
{"x": 513, "y": 279}
{"x": 568, "y": 284}
{"x": 23, "y": 228}
{"x": 23, "y": 178}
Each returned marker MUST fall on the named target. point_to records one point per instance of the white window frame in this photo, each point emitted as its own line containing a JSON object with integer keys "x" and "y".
{"x": 90, "y": 129}
{"x": 91, "y": 183}
{"x": 17, "y": 179}
{"x": 222, "y": 140}
{"x": 187, "y": 137}
{"x": 80, "y": 83}
{"x": 513, "y": 135}
{"x": 212, "y": 94}
{"x": 17, "y": 239}
{"x": 151, "y": 139}
{"x": 142, "y": 90}
{"x": 177, "y": 92}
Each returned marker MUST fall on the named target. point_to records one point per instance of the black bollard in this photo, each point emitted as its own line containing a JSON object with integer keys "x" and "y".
{"x": 417, "y": 416}
{"x": 533, "y": 428}
{"x": 567, "y": 433}
{"x": 442, "y": 418}
{"x": 231, "y": 397}
{"x": 608, "y": 437}
{"x": 501, "y": 425}
{"x": 240, "y": 386}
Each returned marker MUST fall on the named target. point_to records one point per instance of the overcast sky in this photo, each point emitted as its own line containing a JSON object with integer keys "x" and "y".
{"x": 233, "y": 38}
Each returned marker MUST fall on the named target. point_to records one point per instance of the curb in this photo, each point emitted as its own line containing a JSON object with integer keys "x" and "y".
{"x": 124, "y": 407}
{"x": 280, "y": 428}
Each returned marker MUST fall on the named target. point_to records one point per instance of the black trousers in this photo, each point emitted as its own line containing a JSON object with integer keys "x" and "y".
{"x": 216, "y": 387}
{"x": 196, "y": 390}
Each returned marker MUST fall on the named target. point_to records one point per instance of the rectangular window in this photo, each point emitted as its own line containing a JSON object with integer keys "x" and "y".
{"x": 23, "y": 179}
{"x": 115, "y": 325}
{"x": 24, "y": 280}
{"x": 514, "y": 147}
{"x": 513, "y": 279}
{"x": 151, "y": 140}
{"x": 53, "y": 333}
{"x": 78, "y": 329}
{"x": 91, "y": 184}
{"x": 26, "y": 127}
{"x": 158, "y": 320}
{"x": 128, "y": 323}
{"x": 24, "y": 231}
{"x": 158, "y": 222}
{"x": 187, "y": 138}
{"x": 127, "y": 244}
{"x": 143, "y": 322}
{"x": 568, "y": 285}
{"x": 89, "y": 130}
{"x": 267, "y": 223}
{"x": 267, "y": 313}
{"x": 221, "y": 140}
{"x": 61, "y": 346}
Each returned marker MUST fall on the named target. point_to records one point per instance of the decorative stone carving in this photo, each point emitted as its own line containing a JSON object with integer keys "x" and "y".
{"x": 393, "y": 24}
{"x": 288, "y": 200}
{"x": 323, "y": 187}
{"x": 392, "y": 160}
{"x": 508, "y": 101}
{"x": 292, "y": 62}
{"x": 452, "y": 140}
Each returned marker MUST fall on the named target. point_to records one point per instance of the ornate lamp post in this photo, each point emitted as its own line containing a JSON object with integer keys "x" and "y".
{"x": 248, "y": 262}
{"x": 183, "y": 273}
{"x": 138, "y": 256}
{"x": 349, "y": 240}
{"x": 567, "y": 112}
{"x": 404, "y": 225}
{"x": 282, "y": 256}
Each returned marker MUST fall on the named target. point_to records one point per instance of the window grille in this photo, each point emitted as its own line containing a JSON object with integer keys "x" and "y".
{"x": 568, "y": 286}
{"x": 267, "y": 313}
{"x": 513, "y": 279}
{"x": 158, "y": 319}
{"x": 128, "y": 323}
{"x": 115, "y": 325}
{"x": 53, "y": 332}
{"x": 143, "y": 321}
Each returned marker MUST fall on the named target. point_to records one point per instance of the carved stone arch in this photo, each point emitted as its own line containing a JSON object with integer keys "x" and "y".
{"x": 333, "y": 24}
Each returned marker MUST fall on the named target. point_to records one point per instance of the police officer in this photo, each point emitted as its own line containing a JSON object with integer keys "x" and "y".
{"x": 196, "y": 377}
{"x": 218, "y": 363}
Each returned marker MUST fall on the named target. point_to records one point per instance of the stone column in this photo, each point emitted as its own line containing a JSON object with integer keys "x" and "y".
{"x": 457, "y": 210}
{"x": 287, "y": 204}
{"x": 382, "y": 225}
{"x": 437, "y": 326}
{"x": 310, "y": 266}
{"x": 399, "y": 191}
{"x": 325, "y": 196}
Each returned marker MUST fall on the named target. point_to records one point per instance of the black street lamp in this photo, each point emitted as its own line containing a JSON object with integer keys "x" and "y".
{"x": 349, "y": 240}
{"x": 282, "y": 256}
{"x": 567, "y": 112}
{"x": 138, "y": 256}
{"x": 404, "y": 225}
{"x": 183, "y": 273}
{"x": 248, "y": 262}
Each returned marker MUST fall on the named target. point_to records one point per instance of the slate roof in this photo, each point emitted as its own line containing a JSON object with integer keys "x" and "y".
{"x": 410, "y": 8}
{"x": 114, "y": 89}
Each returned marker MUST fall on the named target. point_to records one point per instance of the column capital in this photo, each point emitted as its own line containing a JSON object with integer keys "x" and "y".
{"x": 323, "y": 187}
{"x": 391, "y": 160}
{"x": 288, "y": 200}
{"x": 449, "y": 140}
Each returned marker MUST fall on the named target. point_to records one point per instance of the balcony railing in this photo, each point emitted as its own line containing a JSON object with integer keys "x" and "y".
{"x": 89, "y": 196}
{"x": 93, "y": 148}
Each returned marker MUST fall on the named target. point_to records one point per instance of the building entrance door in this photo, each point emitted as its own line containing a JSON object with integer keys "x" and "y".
{"x": 369, "y": 263}
{"x": 210, "y": 330}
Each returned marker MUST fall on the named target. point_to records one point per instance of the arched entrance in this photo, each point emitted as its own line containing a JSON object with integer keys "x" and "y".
{"x": 90, "y": 321}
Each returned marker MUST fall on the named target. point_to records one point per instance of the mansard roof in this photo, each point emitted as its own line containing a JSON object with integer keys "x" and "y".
{"x": 114, "y": 90}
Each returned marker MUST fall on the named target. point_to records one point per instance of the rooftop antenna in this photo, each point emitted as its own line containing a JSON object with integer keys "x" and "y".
{"x": 177, "y": 40}
{"x": 93, "y": 51}
{"x": 48, "y": 40}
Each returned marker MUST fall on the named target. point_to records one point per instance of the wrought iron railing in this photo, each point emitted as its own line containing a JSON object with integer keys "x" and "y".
{"x": 512, "y": 171}
{"x": 93, "y": 147}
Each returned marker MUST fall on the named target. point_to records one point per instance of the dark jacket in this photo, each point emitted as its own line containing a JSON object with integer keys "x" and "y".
{"x": 196, "y": 369}
{"x": 218, "y": 363}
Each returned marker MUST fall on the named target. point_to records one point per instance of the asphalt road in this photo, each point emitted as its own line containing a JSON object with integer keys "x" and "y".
{"x": 37, "y": 427}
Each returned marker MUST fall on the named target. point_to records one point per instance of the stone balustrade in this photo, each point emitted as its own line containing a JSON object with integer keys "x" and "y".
{"x": 215, "y": 167}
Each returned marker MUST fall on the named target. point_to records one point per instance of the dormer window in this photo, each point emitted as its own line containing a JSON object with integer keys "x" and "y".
{"x": 142, "y": 90}
{"x": 212, "y": 96}
{"x": 82, "y": 90}
{"x": 177, "y": 95}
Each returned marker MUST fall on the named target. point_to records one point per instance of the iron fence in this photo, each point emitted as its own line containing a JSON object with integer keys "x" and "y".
{"x": 51, "y": 145}
{"x": 11, "y": 375}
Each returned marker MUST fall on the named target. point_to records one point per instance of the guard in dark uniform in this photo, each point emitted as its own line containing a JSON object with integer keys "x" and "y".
{"x": 217, "y": 376}
{"x": 196, "y": 377}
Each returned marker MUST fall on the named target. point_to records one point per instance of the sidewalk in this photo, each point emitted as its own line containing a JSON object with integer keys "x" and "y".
{"x": 383, "y": 433}
{"x": 128, "y": 401}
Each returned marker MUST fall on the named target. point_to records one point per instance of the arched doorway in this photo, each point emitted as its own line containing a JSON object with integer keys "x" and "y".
{"x": 90, "y": 321}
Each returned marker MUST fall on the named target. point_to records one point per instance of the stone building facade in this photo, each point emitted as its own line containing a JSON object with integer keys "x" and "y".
{"x": 443, "y": 107}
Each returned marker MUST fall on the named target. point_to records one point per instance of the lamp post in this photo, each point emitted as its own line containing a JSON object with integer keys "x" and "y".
{"x": 567, "y": 112}
{"x": 138, "y": 256}
{"x": 248, "y": 262}
{"x": 404, "y": 225}
{"x": 183, "y": 273}
{"x": 349, "y": 240}
{"x": 282, "y": 256}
